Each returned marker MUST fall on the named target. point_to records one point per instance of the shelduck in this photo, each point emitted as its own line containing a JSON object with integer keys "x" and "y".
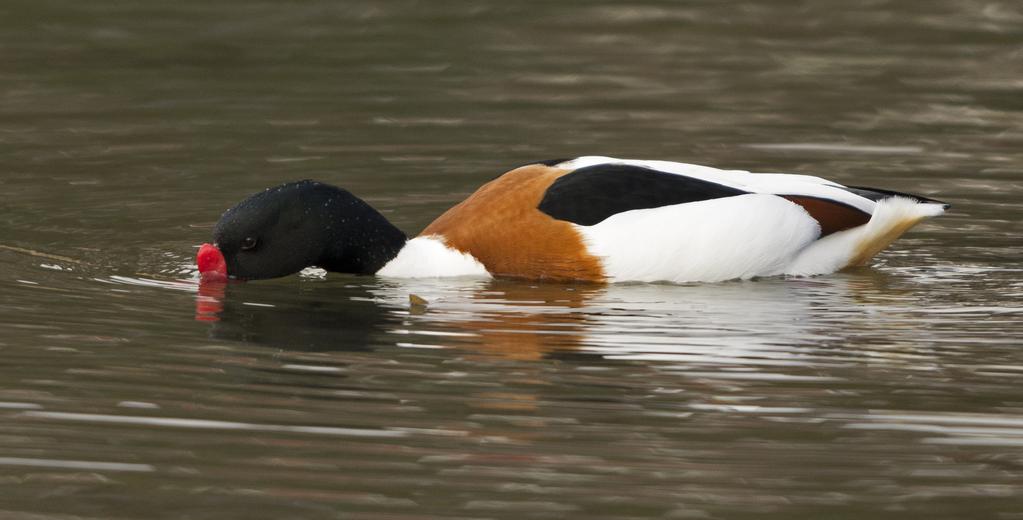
{"x": 589, "y": 219}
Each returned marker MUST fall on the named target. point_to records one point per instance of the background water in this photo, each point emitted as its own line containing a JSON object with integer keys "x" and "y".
{"x": 126, "y": 128}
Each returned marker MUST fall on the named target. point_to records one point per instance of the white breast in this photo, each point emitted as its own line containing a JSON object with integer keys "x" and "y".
{"x": 429, "y": 257}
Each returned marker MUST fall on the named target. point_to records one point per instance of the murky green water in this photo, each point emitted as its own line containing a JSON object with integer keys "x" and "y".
{"x": 127, "y": 127}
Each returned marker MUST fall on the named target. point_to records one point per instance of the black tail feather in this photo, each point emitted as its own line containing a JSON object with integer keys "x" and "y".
{"x": 876, "y": 194}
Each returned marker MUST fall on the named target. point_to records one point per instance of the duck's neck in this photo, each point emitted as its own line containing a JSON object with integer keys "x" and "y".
{"x": 361, "y": 242}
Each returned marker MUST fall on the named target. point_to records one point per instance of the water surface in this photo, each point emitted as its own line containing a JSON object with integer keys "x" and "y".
{"x": 126, "y": 128}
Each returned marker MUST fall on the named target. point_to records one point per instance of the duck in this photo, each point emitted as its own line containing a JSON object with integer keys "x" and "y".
{"x": 590, "y": 219}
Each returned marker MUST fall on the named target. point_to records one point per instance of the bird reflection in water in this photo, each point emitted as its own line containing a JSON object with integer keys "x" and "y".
{"x": 291, "y": 316}
{"x": 724, "y": 339}
{"x": 525, "y": 321}
{"x": 505, "y": 319}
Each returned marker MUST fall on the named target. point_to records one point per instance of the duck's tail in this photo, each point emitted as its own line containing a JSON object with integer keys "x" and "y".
{"x": 892, "y": 217}
{"x": 894, "y": 214}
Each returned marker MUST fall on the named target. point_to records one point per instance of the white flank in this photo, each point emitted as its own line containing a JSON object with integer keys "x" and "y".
{"x": 836, "y": 251}
{"x": 711, "y": 240}
{"x": 429, "y": 257}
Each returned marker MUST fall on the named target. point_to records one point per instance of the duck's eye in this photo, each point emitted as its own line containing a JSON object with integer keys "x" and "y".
{"x": 249, "y": 243}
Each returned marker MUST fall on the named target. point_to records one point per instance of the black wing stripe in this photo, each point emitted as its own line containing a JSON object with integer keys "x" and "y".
{"x": 591, "y": 194}
{"x": 552, "y": 162}
{"x": 548, "y": 162}
{"x": 876, "y": 194}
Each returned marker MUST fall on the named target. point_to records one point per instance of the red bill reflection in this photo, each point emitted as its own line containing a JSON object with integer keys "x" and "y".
{"x": 210, "y": 301}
